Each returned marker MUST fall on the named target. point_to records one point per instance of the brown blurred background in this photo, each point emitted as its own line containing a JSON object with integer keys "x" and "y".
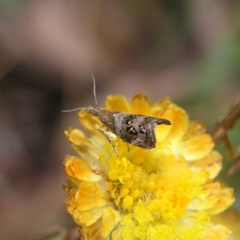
{"x": 186, "y": 50}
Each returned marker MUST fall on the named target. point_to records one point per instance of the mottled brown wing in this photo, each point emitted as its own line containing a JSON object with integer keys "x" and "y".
{"x": 138, "y": 130}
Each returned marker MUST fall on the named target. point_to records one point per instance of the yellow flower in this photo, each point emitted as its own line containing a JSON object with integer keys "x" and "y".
{"x": 168, "y": 192}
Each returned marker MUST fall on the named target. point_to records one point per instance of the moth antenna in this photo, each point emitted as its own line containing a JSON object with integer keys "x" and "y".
{"x": 72, "y": 110}
{"x": 94, "y": 90}
{"x": 94, "y": 94}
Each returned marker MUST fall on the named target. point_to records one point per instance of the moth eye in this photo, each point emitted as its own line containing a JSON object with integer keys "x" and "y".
{"x": 132, "y": 131}
{"x": 142, "y": 129}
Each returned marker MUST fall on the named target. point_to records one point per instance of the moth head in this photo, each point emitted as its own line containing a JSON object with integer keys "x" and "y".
{"x": 139, "y": 130}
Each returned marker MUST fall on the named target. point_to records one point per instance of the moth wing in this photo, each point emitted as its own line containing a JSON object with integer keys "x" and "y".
{"x": 157, "y": 121}
{"x": 107, "y": 118}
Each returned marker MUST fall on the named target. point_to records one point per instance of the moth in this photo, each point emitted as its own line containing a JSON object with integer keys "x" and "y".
{"x": 136, "y": 129}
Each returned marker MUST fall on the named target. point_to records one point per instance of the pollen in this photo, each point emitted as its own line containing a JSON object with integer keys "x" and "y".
{"x": 128, "y": 202}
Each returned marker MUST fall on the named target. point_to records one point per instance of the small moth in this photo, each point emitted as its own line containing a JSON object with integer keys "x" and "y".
{"x": 136, "y": 129}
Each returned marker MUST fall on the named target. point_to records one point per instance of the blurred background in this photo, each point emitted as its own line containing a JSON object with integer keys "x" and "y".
{"x": 187, "y": 50}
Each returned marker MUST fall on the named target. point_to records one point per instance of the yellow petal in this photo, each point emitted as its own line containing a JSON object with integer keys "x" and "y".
{"x": 92, "y": 232}
{"x": 212, "y": 163}
{"x": 179, "y": 124}
{"x": 225, "y": 200}
{"x": 213, "y": 198}
{"x": 117, "y": 103}
{"x": 91, "y": 195}
{"x": 110, "y": 218}
{"x": 196, "y": 147}
{"x": 89, "y": 122}
{"x": 78, "y": 170}
{"x": 141, "y": 104}
{"x": 231, "y": 219}
{"x": 85, "y": 218}
{"x": 75, "y": 136}
{"x": 217, "y": 232}
{"x": 90, "y": 216}
{"x": 207, "y": 198}
{"x": 160, "y": 107}
{"x": 195, "y": 128}
{"x": 83, "y": 145}
{"x": 117, "y": 234}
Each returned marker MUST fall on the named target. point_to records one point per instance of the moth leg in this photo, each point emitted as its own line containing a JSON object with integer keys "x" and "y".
{"x": 103, "y": 130}
{"x": 128, "y": 147}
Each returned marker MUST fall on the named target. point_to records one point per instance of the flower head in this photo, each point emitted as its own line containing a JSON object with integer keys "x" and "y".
{"x": 168, "y": 192}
